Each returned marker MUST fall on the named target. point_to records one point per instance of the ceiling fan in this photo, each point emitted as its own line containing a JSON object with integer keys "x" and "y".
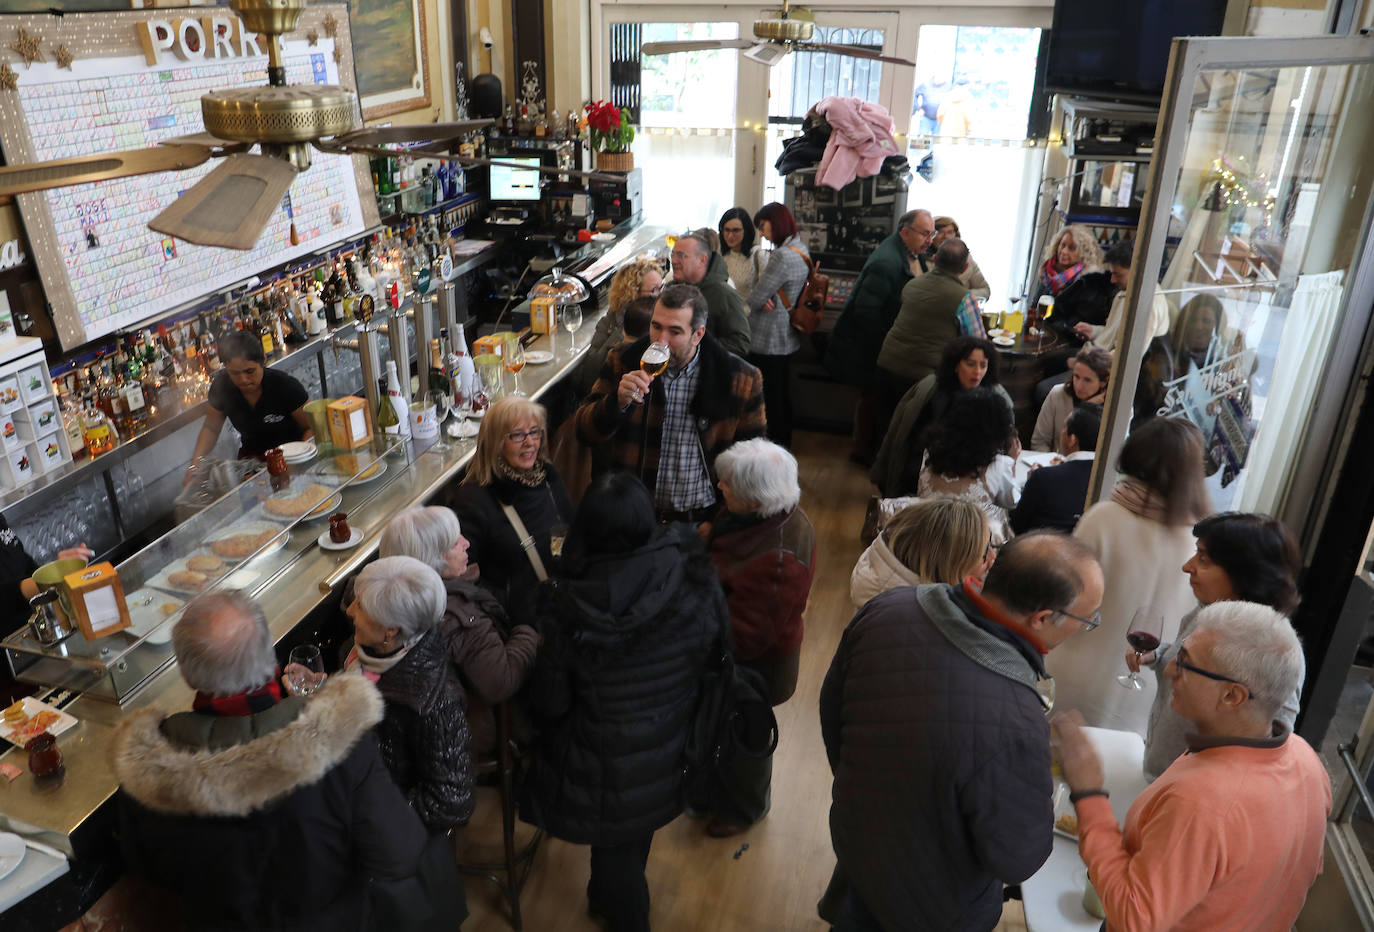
{"x": 233, "y": 204}
{"x": 774, "y": 37}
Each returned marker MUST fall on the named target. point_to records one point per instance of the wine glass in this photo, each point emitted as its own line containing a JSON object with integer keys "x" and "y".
{"x": 304, "y": 669}
{"x": 654, "y": 361}
{"x": 1147, "y": 627}
{"x": 572, "y": 319}
{"x": 514, "y": 357}
{"x": 442, "y": 409}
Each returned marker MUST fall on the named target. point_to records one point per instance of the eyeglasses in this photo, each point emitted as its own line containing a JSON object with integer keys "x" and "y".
{"x": 1183, "y": 664}
{"x": 1087, "y": 623}
{"x": 734, "y": 229}
{"x": 520, "y": 436}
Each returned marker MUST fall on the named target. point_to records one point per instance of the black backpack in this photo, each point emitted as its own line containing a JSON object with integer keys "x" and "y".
{"x": 733, "y": 735}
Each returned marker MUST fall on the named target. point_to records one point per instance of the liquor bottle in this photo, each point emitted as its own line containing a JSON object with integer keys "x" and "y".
{"x": 436, "y": 380}
{"x": 394, "y": 170}
{"x": 557, "y": 127}
{"x": 392, "y": 416}
{"x": 67, "y": 398}
{"x": 98, "y": 432}
{"x": 508, "y": 124}
{"x": 462, "y": 372}
{"x": 541, "y": 126}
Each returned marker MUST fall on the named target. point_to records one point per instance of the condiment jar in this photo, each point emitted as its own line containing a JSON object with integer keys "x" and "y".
{"x": 44, "y": 757}
{"x": 277, "y": 469}
{"x": 339, "y": 531}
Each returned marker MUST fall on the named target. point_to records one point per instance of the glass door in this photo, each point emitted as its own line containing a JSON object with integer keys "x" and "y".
{"x": 1260, "y": 187}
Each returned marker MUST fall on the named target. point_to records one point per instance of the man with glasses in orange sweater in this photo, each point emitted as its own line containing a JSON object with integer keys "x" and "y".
{"x": 1230, "y": 835}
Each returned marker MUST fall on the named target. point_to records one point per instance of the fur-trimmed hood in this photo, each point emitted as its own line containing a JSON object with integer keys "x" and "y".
{"x": 240, "y": 780}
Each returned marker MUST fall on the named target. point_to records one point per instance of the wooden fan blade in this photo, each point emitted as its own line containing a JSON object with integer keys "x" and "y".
{"x": 205, "y": 139}
{"x": 419, "y": 132}
{"x": 231, "y": 205}
{"x": 700, "y": 45}
{"x": 84, "y": 169}
{"x": 853, "y": 51}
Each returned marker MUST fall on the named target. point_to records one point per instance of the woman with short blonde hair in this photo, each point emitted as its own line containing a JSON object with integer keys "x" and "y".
{"x": 936, "y": 540}
{"x": 500, "y": 420}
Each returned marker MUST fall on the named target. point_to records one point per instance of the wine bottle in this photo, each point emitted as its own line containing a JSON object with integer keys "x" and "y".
{"x": 396, "y": 420}
{"x": 461, "y": 370}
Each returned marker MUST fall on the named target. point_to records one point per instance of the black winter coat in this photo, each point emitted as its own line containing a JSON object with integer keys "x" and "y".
{"x": 615, "y": 688}
{"x": 424, "y": 735}
{"x": 941, "y": 755}
{"x": 1087, "y": 299}
{"x": 505, "y": 568}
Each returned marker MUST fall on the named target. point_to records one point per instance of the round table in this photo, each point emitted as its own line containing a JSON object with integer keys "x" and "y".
{"x": 1021, "y": 369}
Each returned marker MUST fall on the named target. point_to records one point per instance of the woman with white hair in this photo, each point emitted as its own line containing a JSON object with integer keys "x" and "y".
{"x": 764, "y": 550}
{"x": 398, "y": 644}
{"x": 491, "y": 657}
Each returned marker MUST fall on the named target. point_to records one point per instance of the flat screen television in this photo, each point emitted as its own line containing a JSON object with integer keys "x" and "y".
{"x": 516, "y": 184}
{"x": 1121, "y": 50}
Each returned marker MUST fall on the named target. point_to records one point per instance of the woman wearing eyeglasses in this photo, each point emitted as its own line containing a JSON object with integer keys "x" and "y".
{"x": 1141, "y": 536}
{"x": 1239, "y": 557}
{"x": 511, "y": 481}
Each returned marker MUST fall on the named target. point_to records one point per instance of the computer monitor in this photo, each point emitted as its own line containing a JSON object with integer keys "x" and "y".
{"x": 516, "y": 184}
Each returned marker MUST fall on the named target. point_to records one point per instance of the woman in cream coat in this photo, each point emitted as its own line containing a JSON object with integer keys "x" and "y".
{"x": 939, "y": 540}
{"x": 1141, "y": 538}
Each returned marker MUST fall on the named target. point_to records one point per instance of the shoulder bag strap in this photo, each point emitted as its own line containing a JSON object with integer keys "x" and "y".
{"x": 786, "y": 303}
{"x": 526, "y": 541}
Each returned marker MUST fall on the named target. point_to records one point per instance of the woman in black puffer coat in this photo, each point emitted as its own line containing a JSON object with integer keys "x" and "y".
{"x": 628, "y": 630}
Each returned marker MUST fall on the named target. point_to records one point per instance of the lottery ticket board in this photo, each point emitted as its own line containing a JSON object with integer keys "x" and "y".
{"x": 102, "y": 269}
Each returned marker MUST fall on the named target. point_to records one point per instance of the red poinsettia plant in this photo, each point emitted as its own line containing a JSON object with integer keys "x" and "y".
{"x": 609, "y": 126}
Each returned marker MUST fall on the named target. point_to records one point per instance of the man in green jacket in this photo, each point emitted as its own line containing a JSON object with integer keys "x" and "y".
{"x": 925, "y": 323}
{"x": 852, "y": 353}
{"x": 695, "y": 264}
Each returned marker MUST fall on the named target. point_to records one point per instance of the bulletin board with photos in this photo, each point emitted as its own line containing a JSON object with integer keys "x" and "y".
{"x": 101, "y": 82}
{"x": 842, "y": 228}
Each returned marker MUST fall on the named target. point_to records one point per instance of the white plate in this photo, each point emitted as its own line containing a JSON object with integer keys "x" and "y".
{"x": 538, "y": 357}
{"x": 163, "y": 579}
{"x": 146, "y": 615}
{"x": 355, "y": 538}
{"x": 324, "y": 511}
{"x": 462, "y": 430}
{"x": 321, "y": 510}
{"x": 241, "y": 579}
{"x": 32, "y": 707}
{"x": 996, "y": 332}
{"x": 603, "y": 237}
{"x": 299, "y": 451}
{"x": 327, "y": 472}
{"x": 12, "y": 850}
{"x": 248, "y": 527}
{"x": 1004, "y": 341}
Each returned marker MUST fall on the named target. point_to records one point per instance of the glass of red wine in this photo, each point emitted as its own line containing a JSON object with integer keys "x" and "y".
{"x": 1147, "y": 627}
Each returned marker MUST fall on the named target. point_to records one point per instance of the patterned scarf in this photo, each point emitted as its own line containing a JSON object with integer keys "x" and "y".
{"x": 532, "y": 477}
{"x": 1139, "y": 499}
{"x": 257, "y": 700}
{"x": 1058, "y": 281}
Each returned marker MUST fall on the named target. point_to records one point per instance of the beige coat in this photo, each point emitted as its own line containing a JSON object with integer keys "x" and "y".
{"x": 878, "y": 571}
{"x": 1142, "y": 564}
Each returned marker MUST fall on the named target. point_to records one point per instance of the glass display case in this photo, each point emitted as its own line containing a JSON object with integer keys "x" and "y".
{"x": 245, "y": 540}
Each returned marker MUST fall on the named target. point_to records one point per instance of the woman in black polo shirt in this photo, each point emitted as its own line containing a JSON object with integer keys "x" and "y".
{"x": 266, "y": 407}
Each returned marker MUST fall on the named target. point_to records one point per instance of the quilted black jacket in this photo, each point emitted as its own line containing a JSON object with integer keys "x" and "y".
{"x": 424, "y": 735}
{"x": 940, "y": 750}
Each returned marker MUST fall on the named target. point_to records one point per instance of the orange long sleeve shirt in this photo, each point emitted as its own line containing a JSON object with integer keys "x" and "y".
{"x": 1228, "y": 838}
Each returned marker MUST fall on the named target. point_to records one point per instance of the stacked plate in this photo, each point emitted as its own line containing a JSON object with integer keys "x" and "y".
{"x": 300, "y": 451}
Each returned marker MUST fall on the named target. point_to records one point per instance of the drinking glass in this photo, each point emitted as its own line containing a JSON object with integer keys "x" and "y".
{"x": 572, "y": 319}
{"x": 305, "y": 669}
{"x": 653, "y": 362}
{"x": 1147, "y": 627}
{"x": 514, "y": 357}
{"x": 442, "y": 409}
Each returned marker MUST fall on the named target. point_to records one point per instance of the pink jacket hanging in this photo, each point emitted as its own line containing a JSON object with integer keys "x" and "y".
{"x": 860, "y": 139}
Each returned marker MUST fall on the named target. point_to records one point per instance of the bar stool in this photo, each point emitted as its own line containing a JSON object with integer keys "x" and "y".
{"x": 510, "y": 873}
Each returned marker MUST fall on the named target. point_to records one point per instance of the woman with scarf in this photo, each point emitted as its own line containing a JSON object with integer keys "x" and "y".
{"x": 513, "y": 506}
{"x": 1071, "y": 272}
{"x": 398, "y": 645}
{"x": 1141, "y": 537}
{"x": 1086, "y": 384}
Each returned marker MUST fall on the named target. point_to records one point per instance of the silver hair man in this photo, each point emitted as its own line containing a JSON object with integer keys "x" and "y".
{"x": 425, "y": 533}
{"x": 402, "y": 592}
{"x": 762, "y": 475}
{"x": 223, "y": 645}
{"x": 1256, "y": 646}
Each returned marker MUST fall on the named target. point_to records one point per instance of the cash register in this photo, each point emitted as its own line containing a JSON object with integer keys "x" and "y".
{"x": 516, "y": 190}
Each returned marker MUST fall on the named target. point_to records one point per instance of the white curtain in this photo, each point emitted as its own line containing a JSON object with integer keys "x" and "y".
{"x": 1298, "y": 372}
{"x": 689, "y": 177}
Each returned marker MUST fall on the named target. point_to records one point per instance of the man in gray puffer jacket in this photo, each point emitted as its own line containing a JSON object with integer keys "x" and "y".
{"x": 937, "y": 737}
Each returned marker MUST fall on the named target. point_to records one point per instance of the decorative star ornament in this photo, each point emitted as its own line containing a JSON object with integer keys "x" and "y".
{"x": 331, "y": 26}
{"x": 29, "y": 46}
{"x": 64, "y": 57}
{"x": 9, "y": 81}
{"x": 313, "y": 36}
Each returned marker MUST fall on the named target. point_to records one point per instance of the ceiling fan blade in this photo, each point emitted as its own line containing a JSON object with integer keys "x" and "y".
{"x": 39, "y": 176}
{"x": 853, "y": 51}
{"x": 231, "y": 205}
{"x": 700, "y": 45}
{"x": 205, "y": 139}
{"x": 419, "y": 132}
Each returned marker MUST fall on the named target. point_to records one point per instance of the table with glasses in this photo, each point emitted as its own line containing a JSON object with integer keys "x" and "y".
{"x": 1022, "y": 367}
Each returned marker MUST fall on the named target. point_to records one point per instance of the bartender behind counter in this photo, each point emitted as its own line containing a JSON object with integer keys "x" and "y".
{"x": 266, "y": 407}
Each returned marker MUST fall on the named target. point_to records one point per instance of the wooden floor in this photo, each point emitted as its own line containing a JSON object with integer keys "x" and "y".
{"x": 703, "y": 884}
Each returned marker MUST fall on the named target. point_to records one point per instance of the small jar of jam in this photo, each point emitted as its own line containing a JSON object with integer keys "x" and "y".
{"x": 339, "y": 531}
{"x": 44, "y": 756}
{"x": 277, "y": 470}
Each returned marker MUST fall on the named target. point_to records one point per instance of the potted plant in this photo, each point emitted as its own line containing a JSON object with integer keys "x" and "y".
{"x": 611, "y": 135}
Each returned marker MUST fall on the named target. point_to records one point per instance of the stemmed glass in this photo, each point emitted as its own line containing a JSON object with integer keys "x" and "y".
{"x": 572, "y": 319}
{"x": 305, "y": 669}
{"x": 654, "y": 361}
{"x": 1147, "y": 627}
{"x": 442, "y": 409}
{"x": 514, "y": 358}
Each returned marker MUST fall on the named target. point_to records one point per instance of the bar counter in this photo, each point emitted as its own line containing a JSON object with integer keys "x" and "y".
{"x": 292, "y": 583}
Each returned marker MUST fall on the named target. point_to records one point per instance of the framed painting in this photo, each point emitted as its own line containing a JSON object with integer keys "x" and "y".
{"x": 391, "y": 55}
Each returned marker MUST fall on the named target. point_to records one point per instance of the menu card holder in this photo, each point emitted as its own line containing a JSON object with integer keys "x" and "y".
{"x": 98, "y": 600}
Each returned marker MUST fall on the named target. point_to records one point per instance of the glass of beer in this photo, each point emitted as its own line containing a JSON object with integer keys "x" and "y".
{"x": 654, "y": 361}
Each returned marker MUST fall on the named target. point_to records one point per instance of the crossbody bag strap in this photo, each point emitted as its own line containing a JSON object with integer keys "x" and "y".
{"x": 526, "y": 541}
{"x": 783, "y": 297}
